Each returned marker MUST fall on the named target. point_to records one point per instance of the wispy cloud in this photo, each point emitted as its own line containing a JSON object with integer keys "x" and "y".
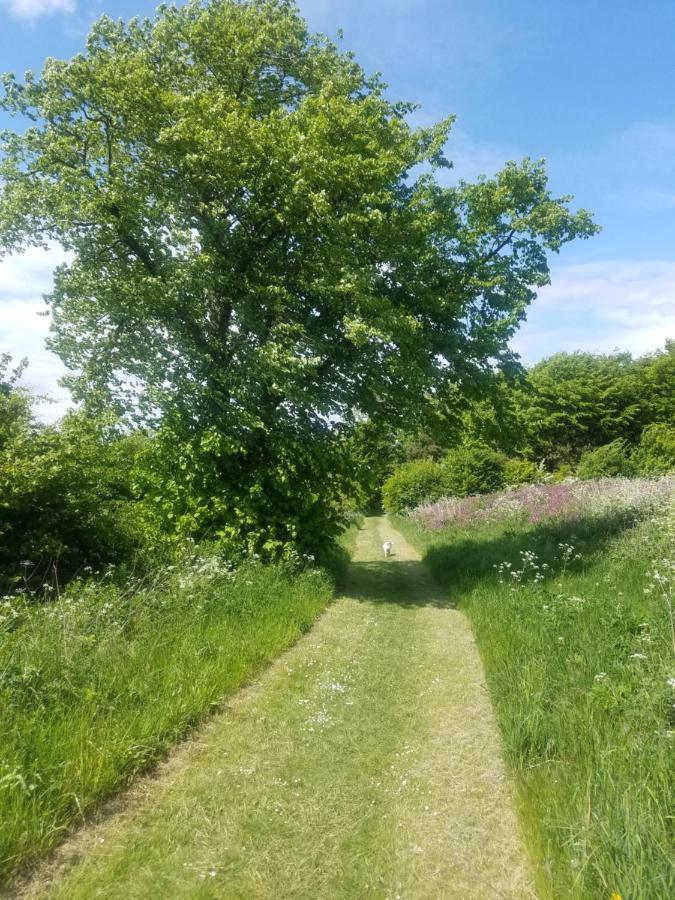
{"x": 33, "y": 9}
{"x": 631, "y": 170}
{"x": 642, "y": 171}
{"x": 24, "y": 326}
{"x": 601, "y": 307}
{"x": 471, "y": 157}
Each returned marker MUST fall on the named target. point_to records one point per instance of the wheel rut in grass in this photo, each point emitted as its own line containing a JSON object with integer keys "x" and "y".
{"x": 364, "y": 763}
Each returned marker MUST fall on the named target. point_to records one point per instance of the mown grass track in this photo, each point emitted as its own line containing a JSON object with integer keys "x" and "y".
{"x": 364, "y": 763}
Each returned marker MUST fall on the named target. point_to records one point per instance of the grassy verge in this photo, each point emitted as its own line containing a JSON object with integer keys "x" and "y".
{"x": 575, "y": 636}
{"x": 97, "y": 684}
{"x": 331, "y": 777}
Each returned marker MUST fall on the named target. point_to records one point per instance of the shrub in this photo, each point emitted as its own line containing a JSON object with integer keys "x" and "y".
{"x": 474, "y": 469}
{"x": 606, "y": 461}
{"x": 656, "y": 453}
{"x": 521, "y": 471}
{"x": 562, "y": 473}
{"x": 66, "y": 497}
{"x": 412, "y": 483}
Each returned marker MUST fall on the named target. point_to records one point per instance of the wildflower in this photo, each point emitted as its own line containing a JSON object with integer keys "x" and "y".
{"x": 600, "y": 676}
{"x": 638, "y": 656}
{"x": 671, "y": 682}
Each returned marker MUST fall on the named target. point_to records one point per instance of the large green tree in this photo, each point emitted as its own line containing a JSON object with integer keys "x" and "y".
{"x": 256, "y": 262}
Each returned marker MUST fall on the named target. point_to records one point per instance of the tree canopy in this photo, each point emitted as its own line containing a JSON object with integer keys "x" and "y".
{"x": 263, "y": 252}
{"x": 574, "y": 401}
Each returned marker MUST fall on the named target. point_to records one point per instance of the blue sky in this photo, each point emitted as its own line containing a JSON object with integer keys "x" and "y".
{"x": 587, "y": 85}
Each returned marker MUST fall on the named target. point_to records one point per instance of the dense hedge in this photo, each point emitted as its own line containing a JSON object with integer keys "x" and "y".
{"x": 606, "y": 461}
{"x": 413, "y": 483}
{"x": 656, "y": 453}
{"x": 474, "y": 469}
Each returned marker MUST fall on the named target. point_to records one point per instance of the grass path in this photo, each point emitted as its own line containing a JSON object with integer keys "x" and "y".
{"x": 364, "y": 763}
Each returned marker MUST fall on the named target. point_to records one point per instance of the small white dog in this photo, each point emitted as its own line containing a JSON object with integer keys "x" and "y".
{"x": 387, "y": 547}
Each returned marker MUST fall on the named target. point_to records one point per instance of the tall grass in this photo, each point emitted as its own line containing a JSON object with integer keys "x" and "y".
{"x": 573, "y": 616}
{"x": 101, "y": 681}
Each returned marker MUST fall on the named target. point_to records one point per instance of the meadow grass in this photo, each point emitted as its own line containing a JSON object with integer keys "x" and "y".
{"x": 100, "y": 682}
{"x": 573, "y": 620}
{"x": 364, "y": 762}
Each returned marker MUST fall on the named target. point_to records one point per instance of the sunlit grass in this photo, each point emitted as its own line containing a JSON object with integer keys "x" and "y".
{"x": 363, "y": 763}
{"x": 96, "y": 685}
{"x": 572, "y": 620}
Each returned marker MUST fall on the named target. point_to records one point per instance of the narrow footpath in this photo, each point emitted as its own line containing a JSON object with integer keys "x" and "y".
{"x": 364, "y": 763}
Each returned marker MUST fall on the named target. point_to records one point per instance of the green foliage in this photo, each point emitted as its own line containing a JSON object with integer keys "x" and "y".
{"x": 497, "y": 416}
{"x": 16, "y": 404}
{"x": 610, "y": 459}
{"x": 581, "y": 399}
{"x": 656, "y": 384}
{"x": 67, "y": 497}
{"x": 421, "y": 445}
{"x": 562, "y": 473}
{"x": 521, "y": 471}
{"x": 271, "y": 497}
{"x": 252, "y": 261}
{"x": 98, "y": 684}
{"x": 412, "y": 483}
{"x": 373, "y": 452}
{"x": 572, "y": 401}
{"x": 656, "y": 453}
{"x": 474, "y": 469}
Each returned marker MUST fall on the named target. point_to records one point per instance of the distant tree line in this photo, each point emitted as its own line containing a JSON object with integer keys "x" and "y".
{"x": 574, "y": 414}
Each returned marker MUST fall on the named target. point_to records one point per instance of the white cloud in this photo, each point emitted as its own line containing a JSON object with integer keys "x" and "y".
{"x": 471, "y": 158}
{"x": 24, "y": 326}
{"x": 600, "y": 307}
{"x": 33, "y": 9}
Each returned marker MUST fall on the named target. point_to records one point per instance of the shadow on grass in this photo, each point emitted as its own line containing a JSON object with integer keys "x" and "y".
{"x": 454, "y": 563}
{"x": 402, "y": 582}
{"x": 463, "y": 562}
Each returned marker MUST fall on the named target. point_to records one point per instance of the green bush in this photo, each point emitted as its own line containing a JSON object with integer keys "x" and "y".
{"x": 562, "y": 473}
{"x": 656, "y": 453}
{"x": 412, "y": 483}
{"x": 521, "y": 471}
{"x": 606, "y": 461}
{"x": 474, "y": 469}
{"x": 66, "y": 497}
